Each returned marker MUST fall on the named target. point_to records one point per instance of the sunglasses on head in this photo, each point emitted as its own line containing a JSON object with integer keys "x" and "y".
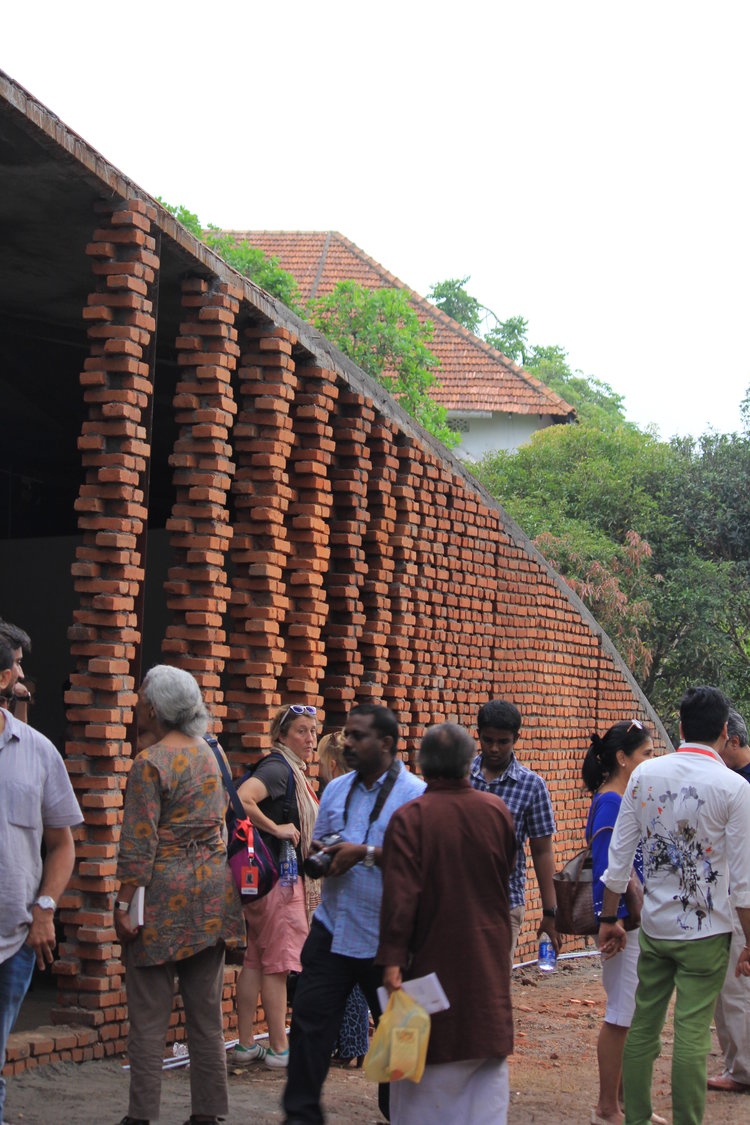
{"x": 299, "y": 709}
{"x": 635, "y": 723}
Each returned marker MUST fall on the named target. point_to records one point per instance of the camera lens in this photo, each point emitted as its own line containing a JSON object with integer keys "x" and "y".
{"x": 317, "y": 865}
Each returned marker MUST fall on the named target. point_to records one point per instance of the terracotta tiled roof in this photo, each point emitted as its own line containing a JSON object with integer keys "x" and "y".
{"x": 473, "y": 375}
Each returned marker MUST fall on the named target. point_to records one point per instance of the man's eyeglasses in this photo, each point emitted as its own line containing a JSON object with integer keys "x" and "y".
{"x": 298, "y": 709}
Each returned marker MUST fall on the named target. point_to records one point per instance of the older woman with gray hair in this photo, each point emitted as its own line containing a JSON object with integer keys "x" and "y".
{"x": 172, "y": 845}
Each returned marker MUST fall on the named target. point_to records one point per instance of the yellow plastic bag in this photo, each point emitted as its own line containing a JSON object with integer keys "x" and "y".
{"x": 399, "y": 1045}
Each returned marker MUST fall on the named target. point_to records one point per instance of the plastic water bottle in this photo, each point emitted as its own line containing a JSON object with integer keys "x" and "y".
{"x": 288, "y": 865}
{"x": 547, "y": 961}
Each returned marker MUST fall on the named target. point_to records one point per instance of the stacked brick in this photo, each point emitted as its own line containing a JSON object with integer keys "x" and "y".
{"x": 362, "y": 566}
{"x": 309, "y": 531}
{"x": 116, "y": 384}
{"x": 263, "y": 439}
{"x": 378, "y": 546}
{"x": 197, "y": 587}
{"x": 350, "y": 475}
{"x": 432, "y": 690}
{"x": 399, "y": 694}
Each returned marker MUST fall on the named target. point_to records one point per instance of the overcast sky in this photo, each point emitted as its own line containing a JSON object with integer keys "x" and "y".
{"x": 585, "y": 163}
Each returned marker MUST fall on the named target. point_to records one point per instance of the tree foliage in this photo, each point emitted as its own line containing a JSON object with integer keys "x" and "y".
{"x": 381, "y": 332}
{"x": 655, "y": 539}
{"x": 594, "y": 400}
{"x": 451, "y": 297}
{"x": 511, "y": 338}
{"x": 616, "y": 589}
{"x": 376, "y": 328}
{"x": 248, "y": 260}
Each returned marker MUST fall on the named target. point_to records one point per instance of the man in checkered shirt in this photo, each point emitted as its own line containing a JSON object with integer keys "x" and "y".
{"x": 497, "y": 770}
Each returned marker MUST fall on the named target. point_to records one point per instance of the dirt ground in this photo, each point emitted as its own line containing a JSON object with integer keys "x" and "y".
{"x": 552, "y": 1073}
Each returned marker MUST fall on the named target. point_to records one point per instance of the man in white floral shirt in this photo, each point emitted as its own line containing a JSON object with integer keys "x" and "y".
{"x": 732, "y": 1015}
{"x": 691, "y": 815}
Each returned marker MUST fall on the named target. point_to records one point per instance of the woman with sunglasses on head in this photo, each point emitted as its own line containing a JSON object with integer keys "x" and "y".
{"x": 609, "y": 762}
{"x": 277, "y": 924}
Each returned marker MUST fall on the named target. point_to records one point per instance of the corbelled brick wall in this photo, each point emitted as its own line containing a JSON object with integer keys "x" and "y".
{"x": 323, "y": 550}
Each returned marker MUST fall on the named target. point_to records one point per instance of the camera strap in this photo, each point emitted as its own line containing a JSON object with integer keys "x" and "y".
{"x": 382, "y": 797}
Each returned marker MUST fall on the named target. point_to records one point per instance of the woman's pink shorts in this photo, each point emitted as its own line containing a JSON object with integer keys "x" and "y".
{"x": 276, "y": 930}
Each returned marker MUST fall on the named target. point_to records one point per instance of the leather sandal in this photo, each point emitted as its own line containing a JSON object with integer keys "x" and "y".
{"x": 728, "y": 1084}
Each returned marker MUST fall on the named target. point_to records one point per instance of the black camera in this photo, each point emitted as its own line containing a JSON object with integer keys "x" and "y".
{"x": 318, "y": 864}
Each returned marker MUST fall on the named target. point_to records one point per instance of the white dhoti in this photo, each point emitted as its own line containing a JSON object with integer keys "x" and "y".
{"x": 473, "y": 1090}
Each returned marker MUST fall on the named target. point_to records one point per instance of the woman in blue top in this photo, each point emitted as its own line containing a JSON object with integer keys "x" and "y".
{"x": 609, "y": 762}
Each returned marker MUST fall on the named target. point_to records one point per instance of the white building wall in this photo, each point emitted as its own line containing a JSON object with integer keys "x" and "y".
{"x": 484, "y": 433}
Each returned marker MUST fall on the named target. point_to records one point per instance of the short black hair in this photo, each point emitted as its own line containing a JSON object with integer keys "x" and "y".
{"x": 383, "y": 720}
{"x": 15, "y": 636}
{"x": 703, "y": 712}
{"x": 446, "y": 751}
{"x": 7, "y": 654}
{"x": 501, "y": 715}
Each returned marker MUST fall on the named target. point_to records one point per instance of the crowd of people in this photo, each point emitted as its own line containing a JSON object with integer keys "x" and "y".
{"x": 390, "y": 875}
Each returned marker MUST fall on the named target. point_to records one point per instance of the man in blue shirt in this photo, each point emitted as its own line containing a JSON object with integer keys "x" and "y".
{"x": 497, "y": 770}
{"x": 343, "y": 940}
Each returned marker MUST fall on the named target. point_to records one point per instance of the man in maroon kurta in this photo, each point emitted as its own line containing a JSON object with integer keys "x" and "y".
{"x": 447, "y": 858}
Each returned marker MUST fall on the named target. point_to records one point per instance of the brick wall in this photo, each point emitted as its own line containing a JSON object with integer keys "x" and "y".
{"x": 116, "y": 386}
{"x": 365, "y": 564}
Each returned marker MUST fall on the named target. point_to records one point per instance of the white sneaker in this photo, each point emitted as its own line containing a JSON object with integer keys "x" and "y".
{"x": 243, "y": 1056}
{"x": 276, "y": 1059}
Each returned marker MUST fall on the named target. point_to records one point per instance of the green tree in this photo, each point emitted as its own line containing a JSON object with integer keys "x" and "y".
{"x": 654, "y": 537}
{"x": 380, "y": 331}
{"x": 252, "y": 263}
{"x": 188, "y": 218}
{"x": 248, "y": 260}
{"x": 745, "y": 411}
{"x": 511, "y": 338}
{"x": 376, "y": 328}
{"x": 710, "y": 500}
{"x": 451, "y": 297}
{"x": 616, "y": 589}
{"x": 594, "y": 400}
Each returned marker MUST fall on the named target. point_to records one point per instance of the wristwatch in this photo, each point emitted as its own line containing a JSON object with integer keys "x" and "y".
{"x": 45, "y": 902}
{"x": 549, "y": 912}
{"x": 369, "y": 860}
{"x": 609, "y": 919}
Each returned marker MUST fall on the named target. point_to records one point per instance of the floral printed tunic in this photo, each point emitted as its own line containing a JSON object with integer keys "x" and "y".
{"x": 172, "y": 844}
{"x": 691, "y": 814}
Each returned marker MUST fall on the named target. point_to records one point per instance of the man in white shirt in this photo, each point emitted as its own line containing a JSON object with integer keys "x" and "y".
{"x": 691, "y": 815}
{"x": 37, "y": 803}
{"x": 732, "y": 1013}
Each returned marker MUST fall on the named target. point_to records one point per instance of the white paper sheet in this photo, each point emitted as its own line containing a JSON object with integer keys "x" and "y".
{"x": 136, "y": 906}
{"x": 427, "y": 991}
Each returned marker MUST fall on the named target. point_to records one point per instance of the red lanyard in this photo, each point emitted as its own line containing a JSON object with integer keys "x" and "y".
{"x": 697, "y": 750}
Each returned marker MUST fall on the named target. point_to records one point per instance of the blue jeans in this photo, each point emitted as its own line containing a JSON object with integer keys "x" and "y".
{"x": 15, "y": 978}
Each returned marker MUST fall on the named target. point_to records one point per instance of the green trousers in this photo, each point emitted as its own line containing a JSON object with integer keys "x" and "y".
{"x": 696, "y": 969}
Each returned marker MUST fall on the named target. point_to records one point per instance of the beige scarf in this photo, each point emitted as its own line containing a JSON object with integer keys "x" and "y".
{"x": 307, "y": 807}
